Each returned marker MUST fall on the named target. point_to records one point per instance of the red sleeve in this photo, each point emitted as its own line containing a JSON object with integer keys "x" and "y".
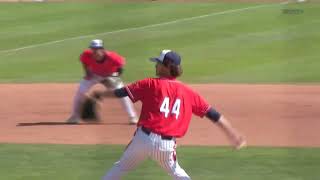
{"x": 117, "y": 59}
{"x": 137, "y": 90}
{"x": 85, "y": 57}
{"x": 200, "y": 106}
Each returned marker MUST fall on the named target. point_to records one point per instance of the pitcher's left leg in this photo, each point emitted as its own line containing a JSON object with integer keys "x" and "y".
{"x": 135, "y": 153}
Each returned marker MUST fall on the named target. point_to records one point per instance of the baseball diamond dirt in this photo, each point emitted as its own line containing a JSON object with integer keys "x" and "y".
{"x": 268, "y": 115}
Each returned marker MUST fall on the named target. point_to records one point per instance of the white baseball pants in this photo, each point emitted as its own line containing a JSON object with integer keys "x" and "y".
{"x": 143, "y": 146}
{"x": 111, "y": 82}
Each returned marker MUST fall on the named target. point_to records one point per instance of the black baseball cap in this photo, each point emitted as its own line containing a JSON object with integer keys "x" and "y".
{"x": 167, "y": 54}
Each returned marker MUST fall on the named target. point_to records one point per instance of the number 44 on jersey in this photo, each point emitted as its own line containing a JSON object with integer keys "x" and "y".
{"x": 165, "y": 107}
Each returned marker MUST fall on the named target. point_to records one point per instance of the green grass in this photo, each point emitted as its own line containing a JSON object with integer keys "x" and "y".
{"x": 261, "y": 45}
{"x": 77, "y": 162}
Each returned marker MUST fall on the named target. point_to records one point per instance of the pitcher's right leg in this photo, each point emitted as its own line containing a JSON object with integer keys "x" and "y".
{"x": 173, "y": 168}
{"x": 165, "y": 155}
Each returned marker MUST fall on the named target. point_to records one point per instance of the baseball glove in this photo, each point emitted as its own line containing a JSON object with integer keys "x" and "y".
{"x": 90, "y": 110}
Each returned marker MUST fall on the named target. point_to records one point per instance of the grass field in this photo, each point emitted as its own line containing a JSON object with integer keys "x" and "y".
{"x": 257, "y": 45}
{"x": 234, "y": 43}
{"x": 52, "y": 162}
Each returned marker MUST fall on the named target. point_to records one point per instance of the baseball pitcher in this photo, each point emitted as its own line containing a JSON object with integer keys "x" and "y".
{"x": 105, "y": 67}
{"x": 167, "y": 107}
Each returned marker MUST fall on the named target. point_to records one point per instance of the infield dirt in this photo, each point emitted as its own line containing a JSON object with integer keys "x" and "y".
{"x": 268, "y": 115}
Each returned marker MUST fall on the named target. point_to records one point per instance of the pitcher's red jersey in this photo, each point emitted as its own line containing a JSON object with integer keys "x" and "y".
{"x": 111, "y": 64}
{"x": 167, "y": 105}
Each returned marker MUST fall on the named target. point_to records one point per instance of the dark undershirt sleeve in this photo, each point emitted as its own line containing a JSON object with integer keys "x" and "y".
{"x": 213, "y": 115}
{"x": 120, "y": 93}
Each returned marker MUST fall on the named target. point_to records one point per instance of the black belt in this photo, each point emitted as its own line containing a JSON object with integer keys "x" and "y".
{"x": 148, "y": 131}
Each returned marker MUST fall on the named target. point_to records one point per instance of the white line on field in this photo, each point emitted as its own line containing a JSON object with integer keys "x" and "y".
{"x": 138, "y": 28}
{"x": 285, "y": 2}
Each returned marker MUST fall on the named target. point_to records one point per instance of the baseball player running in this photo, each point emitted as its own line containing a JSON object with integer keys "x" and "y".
{"x": 167, "y": 107}
{"x": 101, "y": 66}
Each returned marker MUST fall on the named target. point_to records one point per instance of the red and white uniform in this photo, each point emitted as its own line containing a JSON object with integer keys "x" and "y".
{"x": 110, "y": 65}
{"x": 101, "y": 71}
{"x": 167, "y": 107}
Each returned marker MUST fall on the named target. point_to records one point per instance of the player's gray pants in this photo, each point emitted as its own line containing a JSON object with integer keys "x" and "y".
{"x": 143, "y": 146}
{"x": 109, "y": 82}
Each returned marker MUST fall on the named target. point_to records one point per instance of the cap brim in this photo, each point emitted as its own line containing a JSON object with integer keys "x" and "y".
{"x": 155, "y": 60}
{"x": 95, "y": 47}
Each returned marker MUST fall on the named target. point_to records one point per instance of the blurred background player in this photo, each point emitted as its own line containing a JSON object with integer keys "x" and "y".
{"x": 105, "y": 67}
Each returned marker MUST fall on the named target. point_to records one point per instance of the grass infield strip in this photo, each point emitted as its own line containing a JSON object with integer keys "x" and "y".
{"x": 77, "y": 162}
